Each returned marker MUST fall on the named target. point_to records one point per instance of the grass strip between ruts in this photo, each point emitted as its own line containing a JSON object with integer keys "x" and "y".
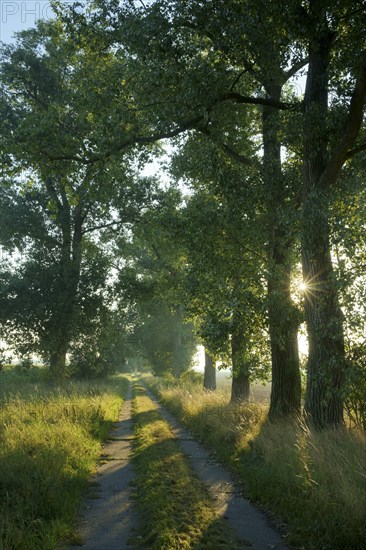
{"x": 175, "y": 510}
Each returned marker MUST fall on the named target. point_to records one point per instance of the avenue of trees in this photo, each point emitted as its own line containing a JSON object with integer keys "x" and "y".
{"x": 264, "y": 106}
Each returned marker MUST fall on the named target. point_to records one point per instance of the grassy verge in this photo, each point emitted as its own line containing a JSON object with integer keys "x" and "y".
{"x": 314, "y": 482}
{"x": 50, "y": 438}
{"x": 176, "y": 512}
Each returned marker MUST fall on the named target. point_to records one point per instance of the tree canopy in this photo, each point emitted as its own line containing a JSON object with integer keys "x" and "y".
{"x": 263, "y": 176}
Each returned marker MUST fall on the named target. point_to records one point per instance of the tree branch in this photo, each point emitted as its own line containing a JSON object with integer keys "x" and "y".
{"x": 228, "y": 150}
{"x": 238, "y": 98}
{"x": 102, "y": 226}
{"x": 52, "y": 193}
{"x": 353, "y": 125}
{"x": 349, "y": 14}
{"x": 182, "y": 127}
{"x": 142, "y": 140}
{"x": 352, "y": 152}
{"x": 296, "y": 67}
{"x": 246, "y": 70}
{"x": 173, "y": 272}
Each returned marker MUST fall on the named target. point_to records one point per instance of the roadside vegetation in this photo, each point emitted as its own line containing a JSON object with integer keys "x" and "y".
{"x": 176, "y": 511}
{"x": 50, "y": 439}
{"x": 182, "y": 174}
{"x": 314, "y": 482}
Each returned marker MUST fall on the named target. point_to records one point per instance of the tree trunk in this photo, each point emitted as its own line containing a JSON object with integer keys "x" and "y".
{"x": 286, "y": 381}
{"x": 283, "y": 319}
{"x": 60, "y": 332}
{"x": 323, "y": 404}
{"x": 58, "y": 363}
{"x": 209, "y": 379}
{"x": 240, "y": 387}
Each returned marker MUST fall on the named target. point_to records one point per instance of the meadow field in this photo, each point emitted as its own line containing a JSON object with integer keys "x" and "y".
{"x": 51, "y": 437}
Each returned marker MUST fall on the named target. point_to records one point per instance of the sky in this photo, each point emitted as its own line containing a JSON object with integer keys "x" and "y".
{"x": 18, "y": 15}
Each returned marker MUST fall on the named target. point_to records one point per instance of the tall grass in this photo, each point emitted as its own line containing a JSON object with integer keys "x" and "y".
{"x": 50, "y": 438}
{"x": 314, "y": 482}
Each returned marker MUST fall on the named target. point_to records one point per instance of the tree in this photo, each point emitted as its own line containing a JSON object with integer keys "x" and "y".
{"x": 104, "y": 348}
{"x": 209, "y": 85}
{"x": 151, "y": 281}
{"x": 209, "y": 378}
{"x": 33, "y": 292}
{"x": 225, "y": 282}
{"x": 320, "y": 32}
{"x": 329, "y": 33}
{"x": 198, "y": 74}
{"x": 347, "y": 227}
{"x": 52, "y": 114}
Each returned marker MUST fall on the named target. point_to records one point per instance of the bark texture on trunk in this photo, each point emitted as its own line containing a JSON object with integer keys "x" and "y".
{"x": 209, "y": 378}
{"x": 70, "y": 221}
{"x": 326, "y": 362}
{"x": 286, "y": 381}
{"x": 283, "y": 321}
{"x": 324, "y": 318}
{"x": 240, "y": 387}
